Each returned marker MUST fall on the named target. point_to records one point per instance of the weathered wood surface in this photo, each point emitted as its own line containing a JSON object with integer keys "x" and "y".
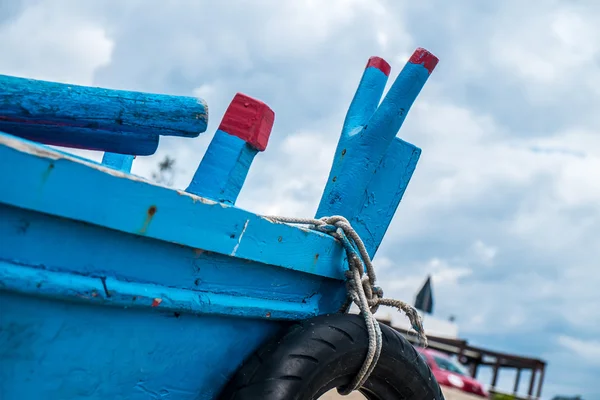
{"x": 116, "y": 287}
{"x": 122, "y": 162}
{"x": 77, "y": 262}
{"x": 58, "y": 350}
{"x": 384, "y": 192}
{"x": 52, "y": 180}
{"x": 371, "y": 167}
{"x": 91, "y": 118}
{"x": 125, "y": 294}
{"x": 243, "y": 132}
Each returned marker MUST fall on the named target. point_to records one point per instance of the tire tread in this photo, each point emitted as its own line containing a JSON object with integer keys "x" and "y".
{"x": 292, "y": 364}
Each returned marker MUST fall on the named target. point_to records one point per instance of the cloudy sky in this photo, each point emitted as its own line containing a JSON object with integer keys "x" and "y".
{"x": 504, "y": 207}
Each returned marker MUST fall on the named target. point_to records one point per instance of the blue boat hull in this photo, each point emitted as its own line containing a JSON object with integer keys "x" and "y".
{"x": 115, "y": 287}
{"x": 90, "y": 312}
{"x": 63, "y": 350}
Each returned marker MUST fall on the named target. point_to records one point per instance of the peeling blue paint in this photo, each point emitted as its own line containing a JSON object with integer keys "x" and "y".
{"x": 113, "y": 287}
{"x": 223, "y": 170}
{"x": 117, "y": 121}
{"x": 366, "y": 145}
{"x": 58, "y": 350}
{"x": 122, "y": 162}
{"x": 384, "y": 192}
{"x": 122, "y": 202}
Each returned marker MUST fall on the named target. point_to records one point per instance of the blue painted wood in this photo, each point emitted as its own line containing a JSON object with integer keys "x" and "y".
{"x": 97, "y": 119}
{"x": 366, "y": 136}
{"x": 384, "y": 192}
{"x": 96, "y": 312}
{"x": 55, "y": 350}
{"x": 122, "y": 162}
{"x": 70, "y": 261}
{"x": 243, "y": 132}
{"x": 57, "y": 184}
{"x": 223, "y": 169}
{"x": 123, "y": 294}
{"x": 137, "y": 291}
{"x": 368, "y": 95}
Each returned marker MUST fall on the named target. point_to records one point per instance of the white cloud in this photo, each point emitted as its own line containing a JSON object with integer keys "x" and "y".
{"x": 205, "y": 91}
{"x": 295, "y": 180}
{"x": 45, "y": 43}
{"x": 483, "y": 253}
{"x": 588, "y": 350}
{"x": 445, "y": 276}
{"x": 575, "y": 42}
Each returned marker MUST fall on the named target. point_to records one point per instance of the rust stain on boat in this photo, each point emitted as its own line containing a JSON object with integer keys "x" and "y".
{"x": 313, "y": 266}
{"x": 198, "y": 252}
{"x": 156, "y": 302}
{"x": 47, "y": 172}
{"x": 149, "y": 215}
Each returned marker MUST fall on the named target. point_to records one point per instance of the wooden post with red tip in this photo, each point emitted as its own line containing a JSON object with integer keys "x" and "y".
{"x": 367, "y": 96}
{"x": 372, "y": 167}
{"x": 243, "y": 132}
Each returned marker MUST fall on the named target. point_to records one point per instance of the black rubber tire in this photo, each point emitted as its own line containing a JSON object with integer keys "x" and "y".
{"x": 322, "y": 353}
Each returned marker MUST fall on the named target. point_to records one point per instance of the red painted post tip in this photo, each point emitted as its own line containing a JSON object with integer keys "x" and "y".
{"x": 425, "y": 58}
{"x": 380, "y": 64}
{"x": 249, "y": 119}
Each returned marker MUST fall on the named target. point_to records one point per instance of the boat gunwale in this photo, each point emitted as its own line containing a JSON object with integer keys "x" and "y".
{"x": 267, "y": 241}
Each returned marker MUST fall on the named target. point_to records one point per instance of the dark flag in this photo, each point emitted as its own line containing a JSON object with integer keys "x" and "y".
{"x": 424, "y": 300}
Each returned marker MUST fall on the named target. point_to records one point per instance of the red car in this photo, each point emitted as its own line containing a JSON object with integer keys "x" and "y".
{"x": 450, "y": 373}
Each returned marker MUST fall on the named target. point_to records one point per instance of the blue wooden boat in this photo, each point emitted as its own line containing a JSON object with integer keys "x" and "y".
{"x": 115, "y": 287}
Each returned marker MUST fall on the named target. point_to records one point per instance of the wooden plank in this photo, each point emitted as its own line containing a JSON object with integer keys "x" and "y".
{"x": 243, "y": 132}
{"x": 122, "y": 162}
{"x": 116, "y": 121}
{"x": 367, "y": 134}
{"x": 57, "y": 184}
{"x": 384, "y": 192}
{"x": 117, "y": 293}
{"x": 127, "y": 270}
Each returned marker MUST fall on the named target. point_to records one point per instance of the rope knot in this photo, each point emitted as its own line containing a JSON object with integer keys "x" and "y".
{"x": 361, "y": 288}
{"x": 378, "y": 291}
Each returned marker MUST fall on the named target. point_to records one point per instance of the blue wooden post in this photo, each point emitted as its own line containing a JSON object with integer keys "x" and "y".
{"x": 384, "y": 192}
{"x": 122, "y": 162}
{"x": 244, "y": 131}
{"x": 116, "y": 121}
{"x": 366, "y": 138}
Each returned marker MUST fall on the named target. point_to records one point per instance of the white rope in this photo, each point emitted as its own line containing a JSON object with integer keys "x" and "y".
{"x": 361, "y": 289}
